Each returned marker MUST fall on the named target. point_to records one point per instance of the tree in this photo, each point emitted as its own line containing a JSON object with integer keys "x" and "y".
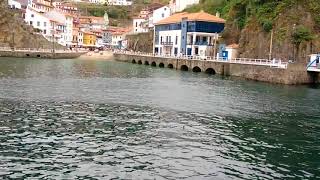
{"x": 301, "y": 34}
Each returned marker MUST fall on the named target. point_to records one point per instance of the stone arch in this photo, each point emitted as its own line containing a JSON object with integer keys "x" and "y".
{"x": 146, "y": 63}
{"x": 134, "y": 61}
{"x": 153, "y": 64}
{"x": 38, "y": 55}
{"x": 210, "y": 71}
{"x": 139, "y": 62}
{"x": 184, "y": 68}
{"x": 161, "y": 65}
{"x": 170, "y": 66}
{"x": 27, "y": 55}
{"x": 196, "y": 69}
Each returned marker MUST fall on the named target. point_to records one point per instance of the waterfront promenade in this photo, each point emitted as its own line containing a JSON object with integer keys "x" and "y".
{"x": 272, "y": 71}
{"x": 275, "y": 63}
{"x": 40, "y": 53}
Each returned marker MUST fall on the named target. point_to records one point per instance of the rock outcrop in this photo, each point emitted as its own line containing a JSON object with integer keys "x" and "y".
{"x": 14, "y": 32}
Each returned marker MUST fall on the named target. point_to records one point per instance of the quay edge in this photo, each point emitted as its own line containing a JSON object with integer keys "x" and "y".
{"x": 35, "y": 54}
{"x": 294, "y": 74}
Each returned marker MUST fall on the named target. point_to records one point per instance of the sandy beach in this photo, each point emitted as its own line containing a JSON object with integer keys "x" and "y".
{"x": 102, "y": 55}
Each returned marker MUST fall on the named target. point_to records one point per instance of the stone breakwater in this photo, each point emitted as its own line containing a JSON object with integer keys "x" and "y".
{"x": 294, "y": 74}
{"x": 60, "y": 54}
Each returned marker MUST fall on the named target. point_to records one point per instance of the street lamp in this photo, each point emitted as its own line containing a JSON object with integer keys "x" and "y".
{"x": 293, "y": 45}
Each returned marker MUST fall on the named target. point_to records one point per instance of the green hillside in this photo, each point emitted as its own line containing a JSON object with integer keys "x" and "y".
{"x": 296, "y": 25}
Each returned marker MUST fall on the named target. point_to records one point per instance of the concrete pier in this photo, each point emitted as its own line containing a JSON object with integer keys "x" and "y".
{"x": 292, "y": 74}
{"x": 40, "y": 53}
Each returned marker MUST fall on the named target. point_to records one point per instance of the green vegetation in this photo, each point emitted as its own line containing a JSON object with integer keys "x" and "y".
{"x": 301, "y": 34}
{"x": 114, "y": 12}
{"x": 264, "y": 11}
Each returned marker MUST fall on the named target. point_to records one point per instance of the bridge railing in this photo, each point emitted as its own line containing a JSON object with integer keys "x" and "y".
{"x": 275, "y": 63}
{"x": 265, "y": 62}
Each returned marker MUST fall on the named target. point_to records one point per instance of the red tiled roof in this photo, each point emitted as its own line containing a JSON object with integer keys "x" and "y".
{"x": 201, "y": 16}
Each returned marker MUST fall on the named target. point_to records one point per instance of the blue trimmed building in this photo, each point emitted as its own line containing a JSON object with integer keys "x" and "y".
{"x": 192, "y": 34}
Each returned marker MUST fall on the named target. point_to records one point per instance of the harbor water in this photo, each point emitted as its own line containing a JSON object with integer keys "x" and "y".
{"x": 86, "y": 119}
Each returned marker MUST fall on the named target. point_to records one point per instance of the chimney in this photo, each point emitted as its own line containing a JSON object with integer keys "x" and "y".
{"x": 217, "y": 14}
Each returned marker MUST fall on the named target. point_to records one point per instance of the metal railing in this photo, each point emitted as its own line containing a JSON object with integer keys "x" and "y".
{"x": 167, "y": 43}
{"x": 275, "y": 63}
{"x": 263, "y": 62}
{"x": 40, "y": 50}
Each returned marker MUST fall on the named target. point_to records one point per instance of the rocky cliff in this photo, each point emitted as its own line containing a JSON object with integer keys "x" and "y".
{"x": 142, "y": 42}
{"x": 15, "y": 33}
{"x": 295, "y": 25}
{"x": 255, "y": 41}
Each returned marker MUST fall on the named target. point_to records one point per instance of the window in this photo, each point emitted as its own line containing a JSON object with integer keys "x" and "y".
{"x": 31, "y": 22}
{"x": 45, "y": 24}
{"x": 161, "y": 39}
{"x": 44, "y": 31}
{"x": 38, "y": 23}
{"x": 176, "y": 40}
{"x": 136, "y": 24}
{"x": 32, "y": 15}
{"x": 162, "y": 15}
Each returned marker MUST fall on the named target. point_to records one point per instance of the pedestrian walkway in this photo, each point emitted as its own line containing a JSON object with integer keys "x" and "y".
{"x": 9, "y": 49}
{"x": 261, "y": 62}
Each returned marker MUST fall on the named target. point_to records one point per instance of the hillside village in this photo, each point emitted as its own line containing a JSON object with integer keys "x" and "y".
{"x": 64, "y": 23}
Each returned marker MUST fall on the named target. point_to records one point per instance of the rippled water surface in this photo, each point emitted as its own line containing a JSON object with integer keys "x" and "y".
{"x": 76, "y": 119}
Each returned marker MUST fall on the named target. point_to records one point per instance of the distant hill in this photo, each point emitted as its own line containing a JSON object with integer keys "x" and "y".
{"x": 119, "y": 15}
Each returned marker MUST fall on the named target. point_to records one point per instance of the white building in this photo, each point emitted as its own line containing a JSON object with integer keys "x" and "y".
{"x": 38, "y": 21}
{"x": 41, "y": 5}
{"x": 107, "y": 37}
{"x": 92, "y": 23}
{"x": 120, "y": 2}
{"x": 158, "y": 15}
{"x": 180, "y": 5}
{"x": 192, "y": 34}
{"x": 119, "y": 39}
{"x": 52, "y": 23}
{"x": 14, "y": 4}
{"x": 94, "y": 1}
{"x": 232, "y": 51}
{"x": 80, "y": 38}
{"x": 51, "y": 29}
{"x": 140, "y": 25}
{"x": 66, "y": 20}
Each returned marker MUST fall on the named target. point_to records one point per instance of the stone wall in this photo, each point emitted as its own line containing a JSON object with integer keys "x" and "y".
{"x": 21, "y": 54}
{"x": 294, "y": 74}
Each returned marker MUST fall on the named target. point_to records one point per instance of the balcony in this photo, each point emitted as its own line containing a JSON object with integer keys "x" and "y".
{"x": 200, "y": 43}
{"x": 166, "y": 43}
